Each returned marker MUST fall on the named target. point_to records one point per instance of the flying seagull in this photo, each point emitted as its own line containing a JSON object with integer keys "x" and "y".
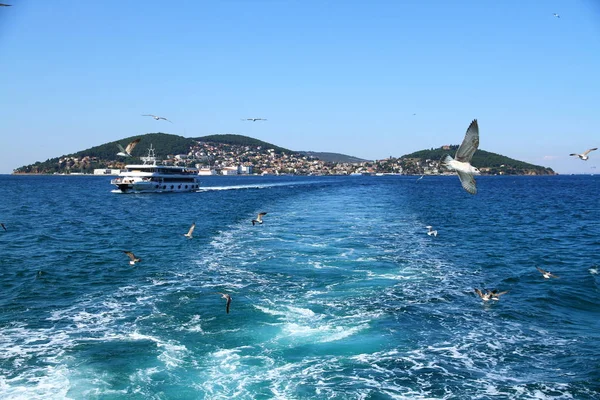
{"x": 556, "y": 15}
{"x": 259, "y": 218}
{"x": 584, "y": 156}
{"x": 228, "y": 300}
{"x": 5, "y": 5}
{"x": 156, "y": 117}
{"x": 189, "y": 234}
{"x": 490, "y": 295}
{"x": 132, "y": 257}
{"x": 421, "y": 177}
{"x": 430, "y": 231}
{"x": 254, "y": 119}
{"x": 546, "y": 274}
{"x": 462, "y": 162}
{"x": 3, "y": 226}
{"x": 126, "y": 152}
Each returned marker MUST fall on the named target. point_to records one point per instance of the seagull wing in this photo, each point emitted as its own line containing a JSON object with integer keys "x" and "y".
{"x": 470, "y": 143}
{"x": 541, "y": 270}
{"x": 467, "y": 181}
{"x": 131, "y": 146}
{"x": 574, "y": 154}
{"x": 130, "y": 254}
{"x": 228, "y": 304}
{"x": 149, "y": 115}
{"x": 587, "y": 151}
{"x": 3, "y": 226}
{"x": 121, "y": 148}
{"x": 191, "y": 229}
{"x": 479, "y": 293}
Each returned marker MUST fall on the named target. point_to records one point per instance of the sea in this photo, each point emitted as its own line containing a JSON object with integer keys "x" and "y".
{"x": 339, "y": 294}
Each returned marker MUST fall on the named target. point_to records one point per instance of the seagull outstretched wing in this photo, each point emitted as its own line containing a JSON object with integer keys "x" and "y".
{"x": 470, "y": 143}
{"x": 467, "y": 181}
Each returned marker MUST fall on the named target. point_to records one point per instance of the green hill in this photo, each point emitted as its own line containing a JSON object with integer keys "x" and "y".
{"x": 241, "y": 140}
{"x": 488, "y": 162}
{"x": 333, "y": 157}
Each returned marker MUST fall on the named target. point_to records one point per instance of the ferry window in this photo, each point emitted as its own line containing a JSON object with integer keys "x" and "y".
{"x": 186, "y": 186}
{"x": 172, "y": 186}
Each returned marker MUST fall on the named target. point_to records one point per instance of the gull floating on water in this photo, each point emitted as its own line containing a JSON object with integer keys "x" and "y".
{"x": 228, "y": 300}
{"x": 254, "y": 119}
{"x": 259, "y": 218}
{"x": 132, "y": 257}
{"x": 3, "y": 226}
{"x": 156, "y": 117}
{"x": 584, "y": 156}
{"x": 189, "y": 234}
{"x": 462, "y": 161}
{"x": 546, "y": 274}
{"x": 430, "y": 231}
{"x": 126, "y": 152}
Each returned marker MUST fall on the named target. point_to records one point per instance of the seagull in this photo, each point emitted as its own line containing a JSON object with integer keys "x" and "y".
{"x": 3, "y": 226}
{"x": 132, "y": 257}
{"x": 556, "y": 15}
{"x": 254, "y": 119}
{"x": 431, "y": 231}
{"x": 546, "y": 274}
{"x": 584, "y": 156}
{"x": 189, "y": 234}
{"x": 259, "y": 218}
{"x": 5, "y": 5}
{"x": 126, "y": 152}
{"x": 156, "y": 117}
{"x": 462, "y": 163}
{"x": 421, "y": 177}
{"x": 228, "y": 298}
{"x": 490, "y": 295}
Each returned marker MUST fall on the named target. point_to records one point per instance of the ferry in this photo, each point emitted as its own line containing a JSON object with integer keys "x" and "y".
{"x": 152, "y": 178}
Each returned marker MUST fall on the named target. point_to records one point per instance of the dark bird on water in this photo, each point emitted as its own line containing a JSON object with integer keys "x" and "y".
{"x": 546, "y": 274}
{"x": 258, "y": 219}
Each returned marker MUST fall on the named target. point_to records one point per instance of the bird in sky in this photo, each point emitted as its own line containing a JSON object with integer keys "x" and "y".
{"x": 584, "y": 156}
{"x": 189, "y": 234}
{"x": 5, "y": 5}
{"x": 3, "y": 226}
{"x": 156, "y": 117}
{"x": 546, "y": 274}
{"x": 126, "y": 152}
{"x": 556, "y": 15}
{"x": 254, "y": 119}
{"x": 430, "y": 231}
{"x": 228, "y": 300}
{"x": 462, "y": 161}
{"x": 132, "y": 258}
{"x": 259, "y": 218}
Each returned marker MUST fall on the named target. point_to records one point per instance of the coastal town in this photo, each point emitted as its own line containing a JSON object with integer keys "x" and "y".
{"x": 214, "y": 158}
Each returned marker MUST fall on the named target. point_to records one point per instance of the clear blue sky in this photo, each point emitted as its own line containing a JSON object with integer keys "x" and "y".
{"x": 340, "y": 76}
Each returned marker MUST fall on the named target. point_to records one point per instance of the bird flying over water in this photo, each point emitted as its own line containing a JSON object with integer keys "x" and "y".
{"x": 546, "y": 274}
{"x": 3, "y": 226}
{"x": 254, "y": 119}
{"x": 430, "y": 231}
{"x": 156, "y": 117}
{"x": 132, "y": 258}
{"x": 259, "y": 218}
{"x": 189, "y": 234}
{"x": 462, "y": 161}
{"x": 419, "y": 178}
{"x": 126, "y": 152}
{"x": 584, "y": 156}
{"x": 489, "y": 295}
{"x": 228, "y": 300}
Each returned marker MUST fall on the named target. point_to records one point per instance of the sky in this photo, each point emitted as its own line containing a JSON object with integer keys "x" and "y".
{"x": 370, "y": 79}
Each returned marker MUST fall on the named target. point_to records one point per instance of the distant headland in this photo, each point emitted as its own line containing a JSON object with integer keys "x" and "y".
{"x": 228, "y": 152}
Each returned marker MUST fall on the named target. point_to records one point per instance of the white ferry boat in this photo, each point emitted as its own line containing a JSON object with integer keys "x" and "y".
{"x": 152, "y": 178}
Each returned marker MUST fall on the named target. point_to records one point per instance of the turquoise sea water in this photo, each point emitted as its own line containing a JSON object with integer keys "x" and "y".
{"x": 340, "y": 294}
